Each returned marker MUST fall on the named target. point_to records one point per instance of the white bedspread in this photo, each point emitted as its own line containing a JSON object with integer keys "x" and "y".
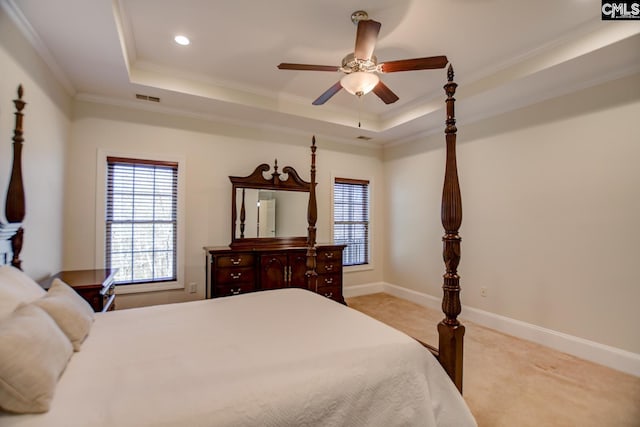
{"x": 278, "y": 358}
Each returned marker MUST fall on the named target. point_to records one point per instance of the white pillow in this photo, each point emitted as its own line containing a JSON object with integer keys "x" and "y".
{"x": 15, "y": 288}
{"x": 72, "y": 313}
{"x": 33, "y": 354}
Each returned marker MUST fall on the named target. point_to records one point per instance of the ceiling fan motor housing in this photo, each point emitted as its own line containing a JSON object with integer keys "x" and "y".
{"x": 359, "y": 15}
{"x": 350, "y": 64}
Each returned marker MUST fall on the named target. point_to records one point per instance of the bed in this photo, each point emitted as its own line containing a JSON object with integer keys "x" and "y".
{"x": 285, "y": 357}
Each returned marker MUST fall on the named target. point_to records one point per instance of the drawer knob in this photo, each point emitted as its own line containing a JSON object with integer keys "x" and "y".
{"x": 328, "y": 267}
{"x": 236, "y": 261}
{"x": 235, "y": 276}
{"x": 329, "y": 295}
{"x": 329, "y": 255}
{"x": 328, "y": 281}
{"x": 236, "y": 291}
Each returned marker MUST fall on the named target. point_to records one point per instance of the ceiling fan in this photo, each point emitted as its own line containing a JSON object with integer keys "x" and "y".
{"x": 361, "y": 66}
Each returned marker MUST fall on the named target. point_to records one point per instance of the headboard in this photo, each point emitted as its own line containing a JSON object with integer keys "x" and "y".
{"x": 11, "y": 233}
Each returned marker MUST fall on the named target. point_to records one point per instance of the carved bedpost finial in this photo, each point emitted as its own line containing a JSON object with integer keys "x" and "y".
{"x": 19, "y": 103}
{"x": 450, "y": 90}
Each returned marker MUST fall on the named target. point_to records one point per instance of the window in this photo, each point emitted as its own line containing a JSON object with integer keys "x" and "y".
{"x": 351, "y": 219}
{"x": 141, "y": 220}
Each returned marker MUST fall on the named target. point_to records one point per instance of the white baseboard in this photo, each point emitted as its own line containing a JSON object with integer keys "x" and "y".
{"x": 611, "y": 357}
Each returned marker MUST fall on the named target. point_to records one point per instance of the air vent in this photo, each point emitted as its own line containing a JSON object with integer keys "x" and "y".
{"x": 147, "y": 98}
{"x": 364, "y": 138}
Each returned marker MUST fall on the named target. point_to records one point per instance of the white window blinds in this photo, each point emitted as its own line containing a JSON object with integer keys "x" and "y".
{"x": 141, "y": 220}
{"x": 351, "y": 219}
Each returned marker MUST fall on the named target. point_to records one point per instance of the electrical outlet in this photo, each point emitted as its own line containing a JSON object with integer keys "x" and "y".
{"x": 193, "y": 287}
{"x": 483, "y": 292}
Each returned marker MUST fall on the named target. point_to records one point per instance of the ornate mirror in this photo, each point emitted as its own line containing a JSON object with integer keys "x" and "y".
{"x": 269, "y": 211}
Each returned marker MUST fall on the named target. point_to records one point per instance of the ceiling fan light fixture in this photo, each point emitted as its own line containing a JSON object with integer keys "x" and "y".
{"x": 359, "y": 83}
{"x": 182, "y": 40}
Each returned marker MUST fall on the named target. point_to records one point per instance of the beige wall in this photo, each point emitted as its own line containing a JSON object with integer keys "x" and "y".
{"x": 212, "y": 153}
{"x": 551, "y": 202}
{"x": 46, "y": 129}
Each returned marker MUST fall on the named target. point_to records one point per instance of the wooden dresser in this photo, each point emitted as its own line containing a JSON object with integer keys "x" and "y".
{"x": 268, "y": 249}
{"x": 235, "y": 271}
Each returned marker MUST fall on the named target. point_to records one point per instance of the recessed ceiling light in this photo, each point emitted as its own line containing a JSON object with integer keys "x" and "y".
{"x": 182, "y": 40}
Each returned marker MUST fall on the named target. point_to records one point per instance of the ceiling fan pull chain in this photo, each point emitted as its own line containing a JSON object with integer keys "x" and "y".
{"x": 359, "y": 111}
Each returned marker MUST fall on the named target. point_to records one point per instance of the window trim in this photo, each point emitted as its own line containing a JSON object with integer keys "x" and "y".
{"x": 101, "y": 196}
{"x": 356, "y": 178}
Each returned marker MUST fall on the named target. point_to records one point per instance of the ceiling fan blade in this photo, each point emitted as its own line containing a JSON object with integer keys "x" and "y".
{"x": 307, "y": 67}
{"x": 366, "y": 38}
{"x": 384, "y": 93}
{"x": 429, "y": 63}
{"x": 328, "y": 94}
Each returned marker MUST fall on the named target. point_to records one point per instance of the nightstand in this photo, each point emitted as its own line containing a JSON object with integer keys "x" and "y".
{"x": 96, "y": 286}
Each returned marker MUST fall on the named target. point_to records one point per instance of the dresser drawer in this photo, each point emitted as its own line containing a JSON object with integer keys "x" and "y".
{"x": 233, "y": 289}
{"x": 236, "y": 260}
{"x": 329, "y": 280}
{"x": 332, "y": 292}
{"x": 328, "y": 266}
{"x": 328, "y": 255}
{"x": 235, "y": 275}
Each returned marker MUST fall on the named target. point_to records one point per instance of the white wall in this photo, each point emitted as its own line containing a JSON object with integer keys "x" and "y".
{"x": 46, "y": 128}
{"x": 551, "y": 202}
{"x": 212, "y": 152}
{"x": 291, "y": 213}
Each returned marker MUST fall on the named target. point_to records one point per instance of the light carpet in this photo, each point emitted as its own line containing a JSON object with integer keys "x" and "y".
{"x": 513, "y": 382}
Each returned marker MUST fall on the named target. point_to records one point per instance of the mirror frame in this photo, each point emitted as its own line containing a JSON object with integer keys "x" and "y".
{"x": 256, "y": 180}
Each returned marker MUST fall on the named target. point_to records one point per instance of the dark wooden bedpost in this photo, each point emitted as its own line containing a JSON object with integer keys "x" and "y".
{"x": 15, "y": 203}
{"x": 450, "y": 330}
{"x": 243, "y": 216}
{"x": 312, "y": 217}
